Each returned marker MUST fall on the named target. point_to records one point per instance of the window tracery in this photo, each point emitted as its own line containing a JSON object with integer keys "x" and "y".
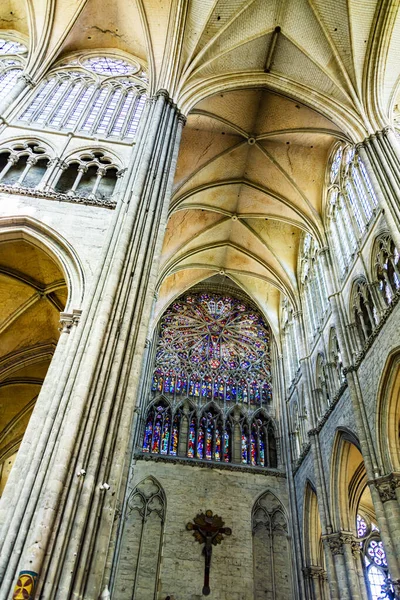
{"x": 214, "y": 347}
{"x": 212, "y": 359}
{"x": 90, "y": 174}
{"x": 23, "y": 163}
{"x": 314, "y": 292}
{"x": 374, "y": 560}
{"x": 100, "y": 96}
{"x": 11, "y": 63}
{"x": 364, "y": 310}
{"x": 351, "y": 204}
{"x": 387, "y": 268}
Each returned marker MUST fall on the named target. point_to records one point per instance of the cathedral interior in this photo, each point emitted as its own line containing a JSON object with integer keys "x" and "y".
{"x": 199, "y": 290}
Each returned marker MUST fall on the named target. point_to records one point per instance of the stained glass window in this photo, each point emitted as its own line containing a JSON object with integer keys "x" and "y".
{"x": 161, "y": 434}
{"x": 219, "y": 345}
{"x": 73, "y": 100}
{"x": 213, "y": 352}
{"x": 351, "y": 206}
{"x": 374, "y": 561}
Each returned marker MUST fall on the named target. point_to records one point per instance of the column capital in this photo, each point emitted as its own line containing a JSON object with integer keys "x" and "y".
{"x": 28, "y": 80}
{"x": 68, "y": 320}
{"x": 336, "y": 541}
{"x": 313, "y": 572}
{"x": 182, "y": 119}
{"x": 387, "y": 486}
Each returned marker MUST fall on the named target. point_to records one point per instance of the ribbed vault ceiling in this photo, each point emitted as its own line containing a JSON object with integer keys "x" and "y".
{"x": 268, "y": 86}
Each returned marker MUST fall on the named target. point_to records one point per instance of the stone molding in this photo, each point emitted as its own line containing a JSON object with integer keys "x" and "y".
{"x": 59, "y": 197}
{"x": 192, "y": 462}
{"x": 387, "y": 486}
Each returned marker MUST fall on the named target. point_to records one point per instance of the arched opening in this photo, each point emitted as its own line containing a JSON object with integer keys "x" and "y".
{"x": 354, "y": 512}
{"x": 271, "y": 549}
{"x": 388, "y": 415}
{"x": 33, "y": 292}
{"x": 315, "y": 572}
{"x": 212, "y": 352}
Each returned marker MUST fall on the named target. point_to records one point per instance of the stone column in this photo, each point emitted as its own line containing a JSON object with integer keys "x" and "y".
{"x": 340, "y": 546}
{"x": 297, "y": 555}
{"x": 383, "y": 183}
{"x": 21, "y": 87}
{"x": 61, "y": 528}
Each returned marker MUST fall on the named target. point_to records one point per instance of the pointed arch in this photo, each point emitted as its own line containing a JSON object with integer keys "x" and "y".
{"x": 143, "y": 533}
{"x": 388, "y": 414}
{"x": 53, "y": 244}
{"x": 348, "y": 479}
{"x": 271, "y": 549}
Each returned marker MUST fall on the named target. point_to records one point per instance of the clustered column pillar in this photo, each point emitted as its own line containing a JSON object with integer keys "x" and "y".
{"x": 60, "y": 527}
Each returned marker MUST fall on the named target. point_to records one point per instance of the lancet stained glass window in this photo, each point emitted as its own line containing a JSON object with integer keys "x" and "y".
{"x": 213, "y": 347}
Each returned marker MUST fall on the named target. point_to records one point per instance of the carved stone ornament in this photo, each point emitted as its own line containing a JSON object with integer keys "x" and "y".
{"x": 387, "y": 486}
{"x": 314, "y": 572}
{"x": 336, "y": 541}
{"x": 67, "y": 320}
{"x": 59, "y": 197}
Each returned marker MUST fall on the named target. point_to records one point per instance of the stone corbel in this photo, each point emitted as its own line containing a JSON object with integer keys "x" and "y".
{"x": 313, "y": 572}
{"x": 68, "y": 320}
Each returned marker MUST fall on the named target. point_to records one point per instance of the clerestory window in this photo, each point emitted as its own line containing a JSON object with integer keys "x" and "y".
{"x": 100, "y": 96}
{"x": 351, "y": 204}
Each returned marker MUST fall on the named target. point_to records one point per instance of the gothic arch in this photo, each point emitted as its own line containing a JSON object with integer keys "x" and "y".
{"x": 143, "y": 534}
{"x": 311, "y": 527}
{"x": 53, "y": 244}
{"x": 348, "y": 479}
{"x": 271, "y": 549}
{"x": 388, "y": 414}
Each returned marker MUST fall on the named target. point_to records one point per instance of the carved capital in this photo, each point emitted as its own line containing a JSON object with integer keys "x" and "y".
{"x": 163, "y": 93}
{"x": 356, "y": 548}
{"x": 336, "y": 541}
{"x": 13, "y": 159}
{"x": 182, "y": 119}
{"x": 68, "y": 320}
{"x": 313, "y": 572}
{"x": 28, "y": 80}
{"x": 387, "y": 486}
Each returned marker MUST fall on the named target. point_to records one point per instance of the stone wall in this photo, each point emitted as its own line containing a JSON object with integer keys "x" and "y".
{"x": 188, "y": 491}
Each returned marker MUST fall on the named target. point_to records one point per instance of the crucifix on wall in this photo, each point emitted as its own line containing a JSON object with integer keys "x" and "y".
{"x": 208, "y": 529}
